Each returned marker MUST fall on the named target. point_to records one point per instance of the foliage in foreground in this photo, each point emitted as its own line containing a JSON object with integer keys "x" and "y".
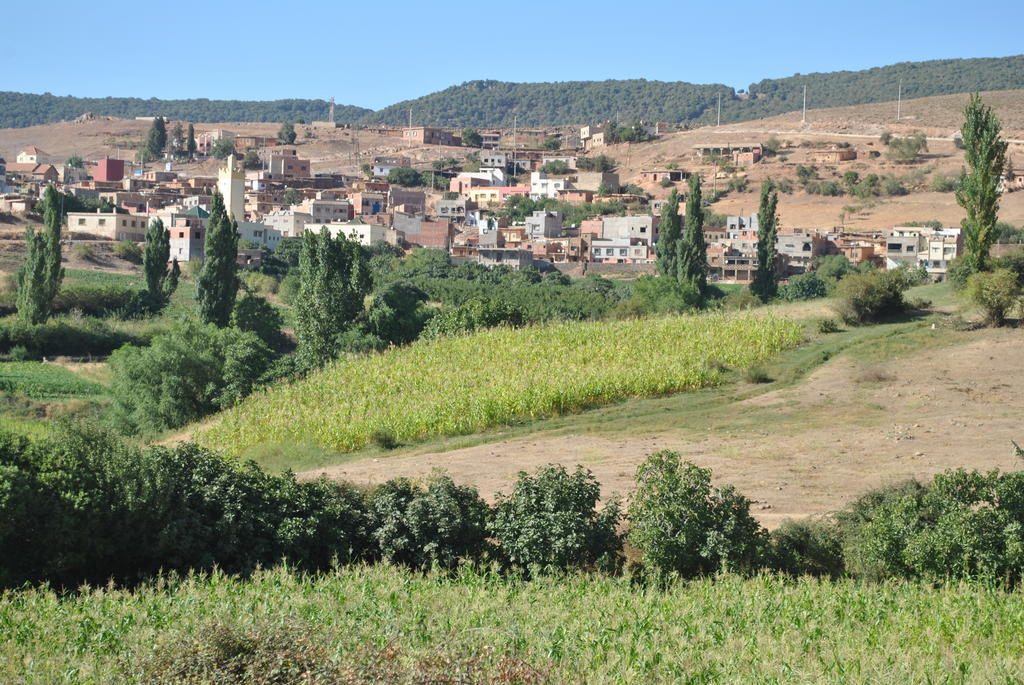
{"x": 383, "y": 624}
{"x": 460, "y": 385}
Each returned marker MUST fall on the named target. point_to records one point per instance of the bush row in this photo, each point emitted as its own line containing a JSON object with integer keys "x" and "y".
{"x": 69, "y": 337}
{"x": 81, "y": 506}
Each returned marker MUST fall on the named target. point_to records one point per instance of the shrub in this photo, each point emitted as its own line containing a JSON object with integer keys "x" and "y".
{"x": 756, "y": 374}
{"x": 964, "y": 524}
{"x": 397, "y": 314}
{"x": 868, "y": 297}
{"x": 682, "y": 525}
{"x": 419, "y": 528}
{"x": 93, "y": 300}
{"x": 268, "y": 653}
{"x": 740, "y": 300}
{"x": 550, "y": 521}
{"x": 258, "y": 282}
{"x": 256, "y": 315}
{"x": 66, "y": 337}
{"x": 288, "y": 289}
{"x": 996, "y": 292}
{"x": 473, "y": 315}
{"x": 184, "y": 375}
{"x": 826, "y": 326}
{"x": 944, "y": 184}
{"x": 654, "y": 295}
{"x": 357, "y": 341}
{"x": 806, "y": 548}
{"x": 84, "y": 252}
{"x": 85, "y": 507}
{"x": 128, "y": 251}
{"x": 806, "y": 286}
{"x": 666, "y": 183}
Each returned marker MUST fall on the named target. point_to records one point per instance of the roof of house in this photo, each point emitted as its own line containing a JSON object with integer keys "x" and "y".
{"x": 33, "y": 150}
{"x": 197, "y": 212}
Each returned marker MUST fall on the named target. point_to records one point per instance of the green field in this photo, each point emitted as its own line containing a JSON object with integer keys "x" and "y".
{"x": 42, "y": 381}
{"x": 381, "y": 624}
{"x": 459, "y": 385}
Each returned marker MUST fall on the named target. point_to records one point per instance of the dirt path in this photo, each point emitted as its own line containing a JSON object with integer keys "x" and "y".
{"x": 797, "y": 451}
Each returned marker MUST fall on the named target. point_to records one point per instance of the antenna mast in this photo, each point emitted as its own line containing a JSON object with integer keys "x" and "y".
{"x": 719, "y": 110}
{"x": 899, "y": 99}
{"x": 803, "y": 119}
{"x": 330, "y": 114}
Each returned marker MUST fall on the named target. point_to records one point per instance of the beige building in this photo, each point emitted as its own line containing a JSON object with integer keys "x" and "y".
{"x": 111, "y": 226}
{"x": 231, "y": 183}
{"x": 364, "y": 234}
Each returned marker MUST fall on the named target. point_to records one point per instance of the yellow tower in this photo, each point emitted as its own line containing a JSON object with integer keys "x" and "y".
{"x": 231, "y": 184}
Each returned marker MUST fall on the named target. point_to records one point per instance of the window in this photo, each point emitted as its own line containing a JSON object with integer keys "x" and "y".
{"x": 181, "y": 234}
{"x": 81, "y": 222}
{"x": 910, "y": 248}
{"x": 103, "y": 222}
{"x": 623, "y": 252}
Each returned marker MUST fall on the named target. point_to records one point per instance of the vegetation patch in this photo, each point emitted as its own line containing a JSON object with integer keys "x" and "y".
{"x": 460, "y": 385}
{"x": 44, "y": 381}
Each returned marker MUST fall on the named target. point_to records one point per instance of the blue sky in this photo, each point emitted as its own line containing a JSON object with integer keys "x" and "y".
{"x": 377, "y": 53}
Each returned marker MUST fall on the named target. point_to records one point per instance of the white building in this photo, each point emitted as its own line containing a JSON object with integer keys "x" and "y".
{"x": 364, "y": 234}
{"x": 290, "y": 223}
{"x": 931, "y": 248}
{"x": 544, "y": 224}
{"x": 620, "y": 251}
{"x": 638, "y": 226}
{"x": 543, "y": 187}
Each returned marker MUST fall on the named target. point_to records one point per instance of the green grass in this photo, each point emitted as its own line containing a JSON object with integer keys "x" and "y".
{"x": 42, "y": 381}
{"x": 461, "y": 385}
{"x": 382, "y": 624}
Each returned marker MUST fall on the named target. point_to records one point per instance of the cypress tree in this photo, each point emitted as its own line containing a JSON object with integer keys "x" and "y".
{"x": 217, "y": 284}
{"x": 766, "y": 282}
{"x": 191, "y": 143}
{"x": 32, "y": 301}
{"x": 333, "y": 280}
{"x": 156, "y": 140}
{"x": 52, "y": 219}
{"x": 692, "y": 250}
{"x": 978, "y": 192}
{"x": 154, "y": 262}
{"x": 668, "y": 237}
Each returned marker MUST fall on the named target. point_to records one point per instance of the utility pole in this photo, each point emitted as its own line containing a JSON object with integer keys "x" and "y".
{"x": 899, "y": 99}
{"x": 719, "y": 110}
{"x": 803, "y": 119}
{"x": 515, "y": 120}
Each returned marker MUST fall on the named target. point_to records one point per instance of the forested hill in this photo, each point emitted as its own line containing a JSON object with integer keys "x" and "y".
{"x": 496, "y": 103}
{"x": 24, "y": 109}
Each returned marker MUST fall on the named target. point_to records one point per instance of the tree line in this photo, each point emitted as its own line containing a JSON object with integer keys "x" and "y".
{"x": 82, "y": 506}
{"x": 495, "y": 103}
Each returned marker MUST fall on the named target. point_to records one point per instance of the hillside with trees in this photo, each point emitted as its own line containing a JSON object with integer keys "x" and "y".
{"x": 18, "y": 110}
{"x": 495, "y": 103}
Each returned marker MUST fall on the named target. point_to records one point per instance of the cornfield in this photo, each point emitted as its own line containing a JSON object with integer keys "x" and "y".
{"x": 460, "y": 385}
{"x": 44, "y": 381}
{"x": 384, "y": 624}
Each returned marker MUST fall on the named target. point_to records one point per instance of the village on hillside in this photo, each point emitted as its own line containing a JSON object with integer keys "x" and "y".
{"x": 550, "y": 199}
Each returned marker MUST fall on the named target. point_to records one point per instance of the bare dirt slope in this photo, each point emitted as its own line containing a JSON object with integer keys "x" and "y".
{"x": 804, "y": 450}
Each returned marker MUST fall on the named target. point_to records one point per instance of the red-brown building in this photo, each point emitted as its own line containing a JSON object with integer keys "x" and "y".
{"x": 108, "y": 170}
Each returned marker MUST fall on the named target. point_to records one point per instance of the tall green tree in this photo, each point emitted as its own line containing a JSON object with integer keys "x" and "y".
{"x": 156, "y": 140}
{"x": 471, "y": 137}
{"x": 286, "y": 134}
{"x": 978, "y": 192}
{"x": 669, "y": 233}
{"x": 190, "y": 143}
{"x": 177, "y": 140}
{"x": 52, "y": 220}
{"x": 333, "y": 280}
{"x": 692, "y": 249}
{"x": 217, "y": 284}
{"x": 161, "y": 280}
{"x": 41, "y": 274}
{"x": 766, "y": 280}
{"x": 33, "y": 304}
